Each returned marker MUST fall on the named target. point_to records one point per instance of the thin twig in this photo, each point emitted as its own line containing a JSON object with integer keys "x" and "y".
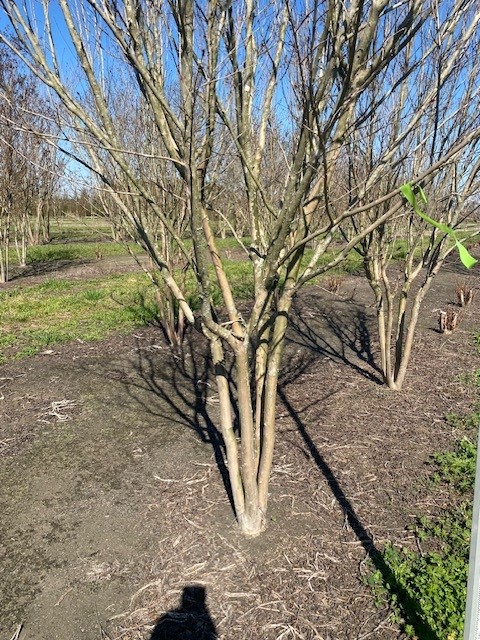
{"x": 16, "y": 635}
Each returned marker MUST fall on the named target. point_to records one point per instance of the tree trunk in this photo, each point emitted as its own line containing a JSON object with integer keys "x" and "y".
{"x": 240, "y": 457}
{"x": 249, "y": 456}
{"x": 4, "y": 246}
{"x": 394, "y": 364}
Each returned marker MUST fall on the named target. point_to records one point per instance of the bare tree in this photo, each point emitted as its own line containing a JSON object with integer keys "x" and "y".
{"x": 13, "y": 90}
{"x": 137, "y": 129}
{"x": 35, "y": 190}
{"x": 29, "y": 165}
{"x": 423, "y": 119}
{"x": 214, "y": 76}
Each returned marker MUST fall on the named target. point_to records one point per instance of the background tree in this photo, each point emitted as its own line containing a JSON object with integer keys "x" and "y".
{"x": 214, "y": 77}
{"x": 414, "y": 128}
{"x": 29, "y": 163}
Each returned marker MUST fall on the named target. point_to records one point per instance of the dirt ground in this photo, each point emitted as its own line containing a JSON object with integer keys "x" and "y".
{"x": 78, "y": 268}
{"x": 114, "y": 511}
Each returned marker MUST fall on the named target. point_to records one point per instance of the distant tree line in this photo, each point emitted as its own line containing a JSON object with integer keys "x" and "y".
{"x": 30, "y": 164}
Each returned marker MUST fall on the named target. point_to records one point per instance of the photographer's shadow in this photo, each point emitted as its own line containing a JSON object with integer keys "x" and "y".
{"x": 191, "y": 621}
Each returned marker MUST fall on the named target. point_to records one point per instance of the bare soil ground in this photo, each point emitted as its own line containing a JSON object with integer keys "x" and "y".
{"x": 78, "y": 268}
{"x": 114, "y": 510}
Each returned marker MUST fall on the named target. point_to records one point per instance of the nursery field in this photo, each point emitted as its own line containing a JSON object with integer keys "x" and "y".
{"x": 114, "y": 509}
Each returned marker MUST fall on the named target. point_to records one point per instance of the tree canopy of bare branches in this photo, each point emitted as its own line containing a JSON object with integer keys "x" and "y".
{"x": 29, "y": 166}
{"x": 276, "y": 94}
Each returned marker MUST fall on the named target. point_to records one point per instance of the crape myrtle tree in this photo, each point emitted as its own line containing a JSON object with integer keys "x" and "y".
{"x": 8, "y": 168}
{"x": 421, "y": 121}
{"x": 29, "y": 163}
{"x": 36, "y": 188}
{"x": 133, "y": 217}
{"x": 217, "y": 78}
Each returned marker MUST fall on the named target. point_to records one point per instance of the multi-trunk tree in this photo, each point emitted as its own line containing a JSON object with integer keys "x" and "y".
{"x": 29, "y": 162}
{"x": 413, "y": 129}
{"x": 226, "y": 85}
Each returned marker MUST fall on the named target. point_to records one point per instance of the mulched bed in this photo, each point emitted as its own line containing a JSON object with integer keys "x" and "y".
{"x": 350, "y": 474}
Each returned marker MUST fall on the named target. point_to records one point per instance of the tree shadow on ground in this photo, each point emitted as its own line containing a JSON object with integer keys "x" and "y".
{"x": 43, "y": 268}
{"x": 344, "y": 338}
{"x": 190, "y": 621}
{"x": 410, "y": 609}
{"x": 176, "y": 385}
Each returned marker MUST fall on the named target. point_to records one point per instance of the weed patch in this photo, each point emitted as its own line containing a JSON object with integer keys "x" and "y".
{"x": 434, "y": 577}
{"x": 38, "y": 317}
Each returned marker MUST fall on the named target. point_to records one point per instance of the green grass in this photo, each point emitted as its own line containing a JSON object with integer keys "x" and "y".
{"x": 240, "y": 275}
{"x": 71, "y": 228}
{"x": 232, "y": 243}
{"x": 38, "y": 317}
{"x": 74, "y": 251}
{"x": 427, "y": 587}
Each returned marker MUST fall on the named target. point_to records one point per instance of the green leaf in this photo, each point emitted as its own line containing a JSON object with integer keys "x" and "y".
{"x": 467, "y": 259}
{"x": 422, "y": 194}
{"x": 408, "y": 193}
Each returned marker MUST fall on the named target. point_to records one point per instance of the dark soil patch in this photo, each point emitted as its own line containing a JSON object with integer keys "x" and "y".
{"x": 38, "y": 272}
{"x": 114, "y": 511}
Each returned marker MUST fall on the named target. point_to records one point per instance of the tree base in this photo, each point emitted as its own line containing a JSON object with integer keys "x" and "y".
{"x": 252, "y": 525}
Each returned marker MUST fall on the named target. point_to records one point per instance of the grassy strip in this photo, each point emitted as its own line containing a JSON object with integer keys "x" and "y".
{"x": 92, "y": 250}
{"x": 74, "y": 251}
{"x": 85, "y": 233}
{"x": 38, "y": 317}
{"x": 434, "y": 578}
{"x": 71, "y": 227}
